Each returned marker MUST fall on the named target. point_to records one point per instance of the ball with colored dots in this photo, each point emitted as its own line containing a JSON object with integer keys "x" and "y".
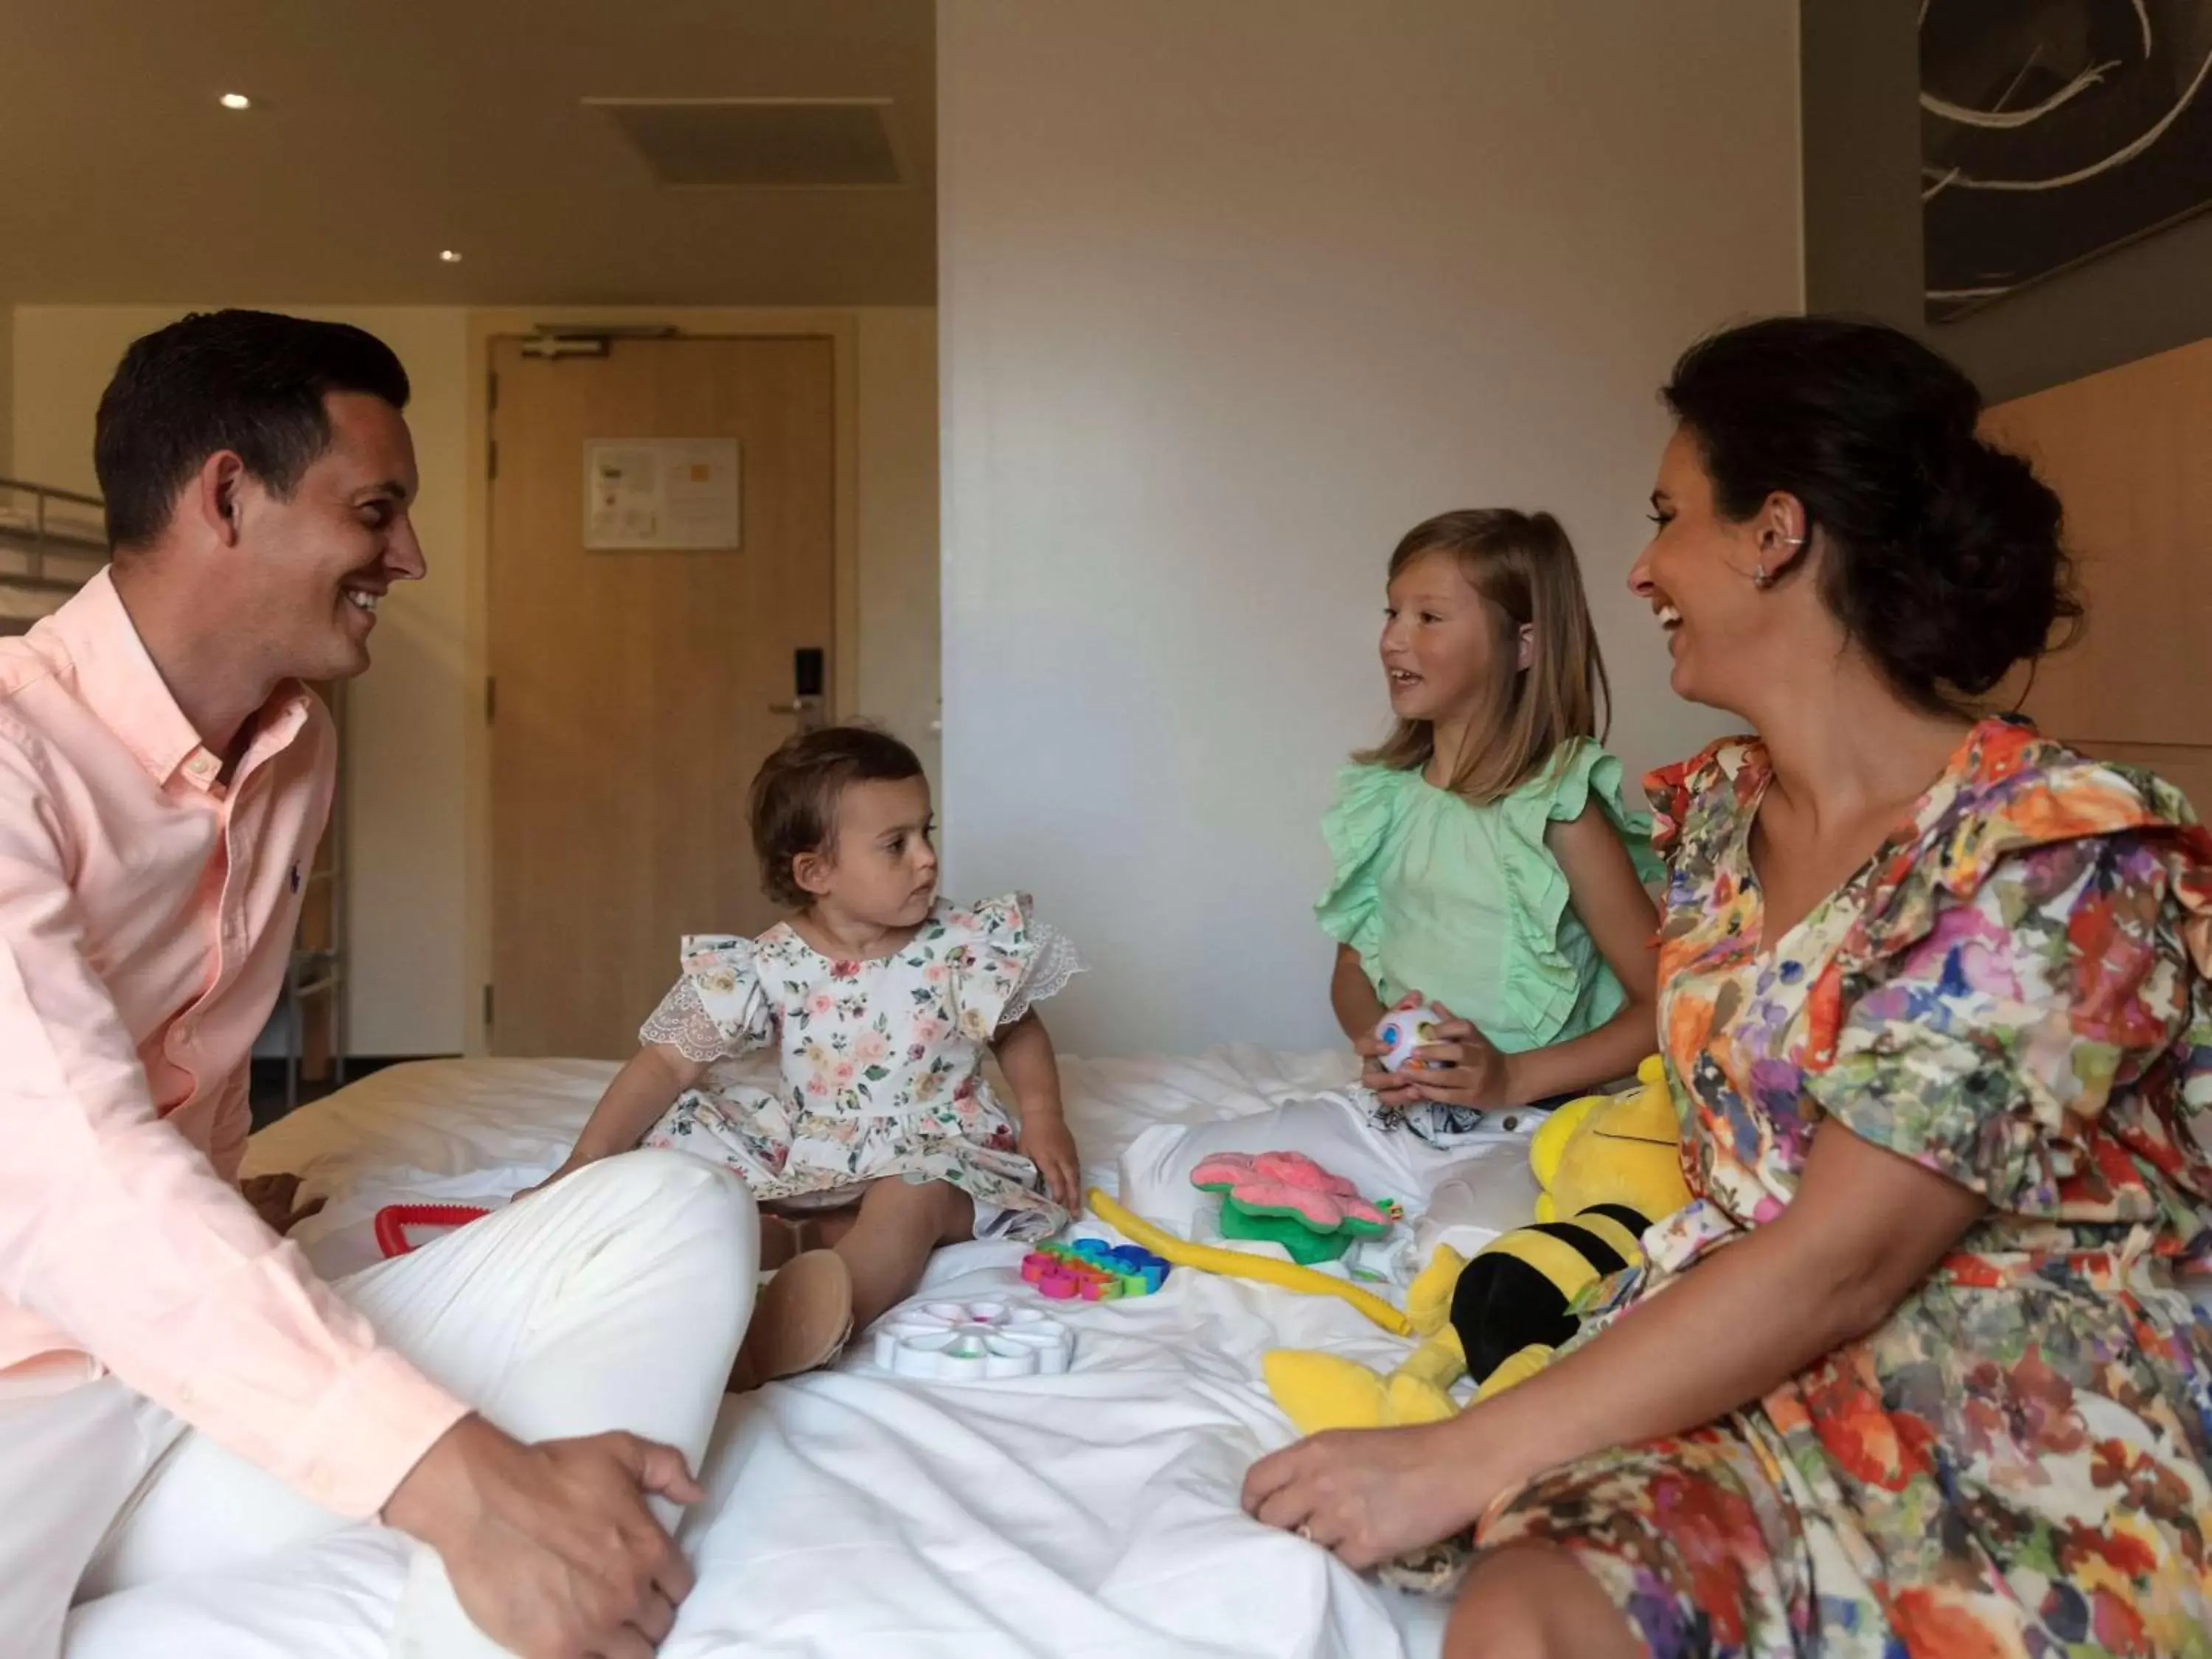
{"x": 1403, "y": 1033}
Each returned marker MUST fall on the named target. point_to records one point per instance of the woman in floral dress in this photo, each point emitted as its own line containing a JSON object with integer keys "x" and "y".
{"x": 1913, "y": 1373}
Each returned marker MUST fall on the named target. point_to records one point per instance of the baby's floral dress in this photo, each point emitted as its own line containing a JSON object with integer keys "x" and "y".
{"x": 882, "y": 1060}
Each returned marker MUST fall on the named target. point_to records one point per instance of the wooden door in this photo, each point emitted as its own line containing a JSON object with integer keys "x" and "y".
{"x": 631, "y": 690}
{"x": 2130, "y": 452}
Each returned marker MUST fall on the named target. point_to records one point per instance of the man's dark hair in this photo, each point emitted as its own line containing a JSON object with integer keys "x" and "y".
{"x": 248, "y": 381}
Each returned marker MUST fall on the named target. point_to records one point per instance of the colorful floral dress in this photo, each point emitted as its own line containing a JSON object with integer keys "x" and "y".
{"x": 2011, "y": 992}
{"x": 883, "y": 1061}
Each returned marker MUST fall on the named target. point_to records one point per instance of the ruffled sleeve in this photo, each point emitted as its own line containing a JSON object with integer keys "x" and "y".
{"x": 1675, "y": 792}
{"x": 1547, "y": 980}
{"x": 1005, "y": 962}
{"x": 1583, "y": 773}
{"x": 2025, "y": 1011}
{"x": 1358, "y": 830}
{"x": 719, "y": 1009}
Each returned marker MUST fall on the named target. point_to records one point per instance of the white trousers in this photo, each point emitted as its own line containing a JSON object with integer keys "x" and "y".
{"x": 615, "y": 1300}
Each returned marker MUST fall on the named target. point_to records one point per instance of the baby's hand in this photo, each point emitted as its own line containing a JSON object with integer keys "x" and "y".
{"x": 569, "y": 1165}
{"x": 274, "y": 1197}
{"x": 1047, "y": 1144}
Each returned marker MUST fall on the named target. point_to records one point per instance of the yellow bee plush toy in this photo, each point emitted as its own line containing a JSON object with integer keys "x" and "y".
{"x": 1609, "y": 1166}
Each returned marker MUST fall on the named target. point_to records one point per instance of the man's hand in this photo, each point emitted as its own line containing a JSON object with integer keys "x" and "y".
{"x": 550, "y": 1548}
{"x": 273, "y": 1198}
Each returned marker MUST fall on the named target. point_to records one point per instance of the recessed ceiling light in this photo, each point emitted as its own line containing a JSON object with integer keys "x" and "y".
{"x": 451, "y": 256}
{"x": 235, "y": 100}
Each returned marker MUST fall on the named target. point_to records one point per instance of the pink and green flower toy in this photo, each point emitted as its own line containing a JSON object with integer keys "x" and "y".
{"x": 1287, "y": 1198}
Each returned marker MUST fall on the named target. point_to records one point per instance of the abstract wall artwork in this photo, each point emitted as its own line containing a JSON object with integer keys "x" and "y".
{"x": 2052, "y": 131}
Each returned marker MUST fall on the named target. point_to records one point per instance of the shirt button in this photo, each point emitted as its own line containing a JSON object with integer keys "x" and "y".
{"x": 185, "y": 1394}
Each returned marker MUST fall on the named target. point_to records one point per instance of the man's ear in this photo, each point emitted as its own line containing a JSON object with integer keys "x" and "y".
{"x": 213, "y": 498}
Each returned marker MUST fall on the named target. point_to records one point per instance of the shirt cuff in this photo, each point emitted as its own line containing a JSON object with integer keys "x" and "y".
{"x": 368, "y": 1434}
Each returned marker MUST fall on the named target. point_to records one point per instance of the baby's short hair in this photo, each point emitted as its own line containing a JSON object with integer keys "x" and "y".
{"x": 795, "y": 793}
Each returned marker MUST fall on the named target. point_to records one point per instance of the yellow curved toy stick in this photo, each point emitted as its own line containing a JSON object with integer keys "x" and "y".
{"x": 1235, "y": 1264}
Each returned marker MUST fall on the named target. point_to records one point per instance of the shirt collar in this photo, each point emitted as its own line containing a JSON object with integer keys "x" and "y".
{"x": 119, "y": 682}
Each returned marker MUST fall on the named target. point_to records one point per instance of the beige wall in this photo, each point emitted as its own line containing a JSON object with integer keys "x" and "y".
{"x": 414, "y": 732}
{"x": 6, "y": 402}
{"x": 1234, "y": 294}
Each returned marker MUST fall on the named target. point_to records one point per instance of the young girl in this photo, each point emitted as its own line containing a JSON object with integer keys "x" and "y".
{"x": 885, "y": 1140}
{"x": 1484, "y": 863}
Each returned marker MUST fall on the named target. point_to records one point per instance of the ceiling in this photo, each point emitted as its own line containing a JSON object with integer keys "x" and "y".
{"x": 383, "y": 133}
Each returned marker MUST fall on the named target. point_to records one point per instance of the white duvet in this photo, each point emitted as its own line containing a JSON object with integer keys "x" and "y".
{"x": 852, "y": 1513}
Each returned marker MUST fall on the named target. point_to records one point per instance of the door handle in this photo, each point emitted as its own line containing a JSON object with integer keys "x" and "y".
{"x": 807, "y": 702}
{"x": 808, "y": 712}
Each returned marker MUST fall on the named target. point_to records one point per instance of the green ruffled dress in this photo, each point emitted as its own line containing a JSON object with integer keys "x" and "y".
{"x": 1466, "y": 904}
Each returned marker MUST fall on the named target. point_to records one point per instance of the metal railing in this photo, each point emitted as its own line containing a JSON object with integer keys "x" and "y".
{"x": 38, "y": 533}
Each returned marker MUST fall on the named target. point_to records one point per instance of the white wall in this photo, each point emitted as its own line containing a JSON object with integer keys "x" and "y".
{"x": 409, "y": 726}
{"x": 1234, "y": 294}
{"x": 898, "y": 524}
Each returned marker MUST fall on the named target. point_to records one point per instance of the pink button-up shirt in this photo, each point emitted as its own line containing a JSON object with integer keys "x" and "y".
{"x": 147, "y": 906}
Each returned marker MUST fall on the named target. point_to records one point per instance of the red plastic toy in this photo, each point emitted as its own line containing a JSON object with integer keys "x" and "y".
{"x": 393, "y": 1220}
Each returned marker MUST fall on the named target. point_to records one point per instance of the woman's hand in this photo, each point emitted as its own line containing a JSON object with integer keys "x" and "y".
{"x": 1462, "y": 1068}
{"x": 1368, "y": 1494}
{"x": 1866, "y": 1226}
{"x": 1046, "y": 1142}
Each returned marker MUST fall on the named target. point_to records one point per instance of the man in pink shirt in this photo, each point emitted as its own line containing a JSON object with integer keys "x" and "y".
{"x": 178, "y": 1391}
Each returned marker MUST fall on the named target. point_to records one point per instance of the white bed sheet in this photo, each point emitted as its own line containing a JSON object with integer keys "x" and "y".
{"x": 851, "y": 1513}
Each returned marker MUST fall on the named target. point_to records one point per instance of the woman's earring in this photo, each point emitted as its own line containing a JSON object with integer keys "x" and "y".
{"x": 1761, "y": 577}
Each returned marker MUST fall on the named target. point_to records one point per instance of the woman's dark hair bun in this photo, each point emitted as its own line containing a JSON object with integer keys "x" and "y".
{"x": 1945, "y": 554}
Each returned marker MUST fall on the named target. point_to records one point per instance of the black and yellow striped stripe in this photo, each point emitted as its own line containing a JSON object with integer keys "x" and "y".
{"x": 1517, "y": 1291}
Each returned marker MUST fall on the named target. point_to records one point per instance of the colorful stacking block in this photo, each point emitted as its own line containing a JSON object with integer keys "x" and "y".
{"x": 1091, "y": 1270}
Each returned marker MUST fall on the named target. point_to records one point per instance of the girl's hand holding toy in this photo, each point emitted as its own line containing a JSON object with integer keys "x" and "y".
{"x": 1384, "y": 1055}
{"x": 1426, "y": 1053}
{"x": 1460, "y": 1066}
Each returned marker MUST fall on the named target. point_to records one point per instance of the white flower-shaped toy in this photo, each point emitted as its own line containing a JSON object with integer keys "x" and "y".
{"x": 972, "y": 1341}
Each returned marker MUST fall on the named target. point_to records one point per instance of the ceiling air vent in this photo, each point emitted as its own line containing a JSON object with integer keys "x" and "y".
{"x": 761, "y": 143}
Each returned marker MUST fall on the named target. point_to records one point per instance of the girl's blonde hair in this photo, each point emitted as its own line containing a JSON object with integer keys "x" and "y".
{"x": 1522, "y": 564}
